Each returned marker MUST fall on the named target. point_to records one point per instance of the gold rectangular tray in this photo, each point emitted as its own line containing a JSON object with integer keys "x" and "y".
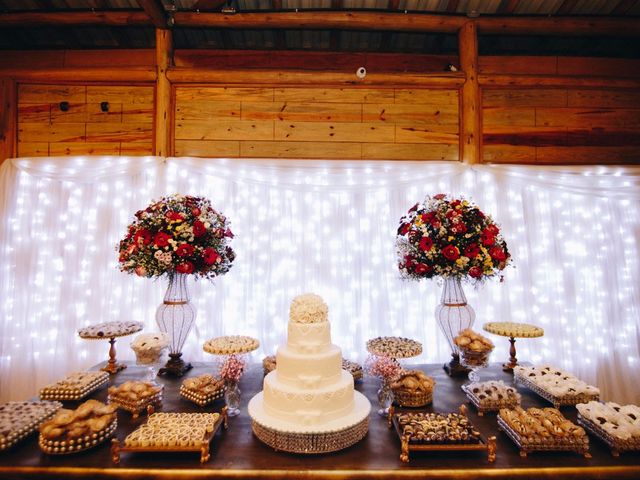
{"x": 485, "y": 444}
{"x": 24, "y": 429}
{"x": 616, "y": 445}
{"x": 484, "y": 407}
{"x": 200, "y": 399}
{"x": 566, "y": 400}
{"x": 148, "y": 404}
{"x": 52, "y": 392}
{"x": 556, "y": 446}
{"x": 203, "y": 448}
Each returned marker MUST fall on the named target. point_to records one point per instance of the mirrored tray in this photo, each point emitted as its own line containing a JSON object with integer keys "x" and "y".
{"x": 483, "y": 405}
{"x": 20, "y": 419}
{"x": 565, "y": 400}
{"x": 616, "y": 445}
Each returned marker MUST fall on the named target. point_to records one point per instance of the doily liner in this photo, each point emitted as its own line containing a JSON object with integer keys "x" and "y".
{"x": 24, "y": 425}
{"x": 107, "y": 330}
{"x": 95, "y": 380}
{"x": 557, "y": 401}
{"x": 513, "y": 329}
{"x": 394, "y": 347}
{"x": 65, "y": 447}
{"x": 483, "y": 405}
{"x": 316, "y": 439}
{"x": 559, "y": 444}
{"x": 616, "y": 445}
{"x": 231, "y": 345}
{"x": 199, "y": 398}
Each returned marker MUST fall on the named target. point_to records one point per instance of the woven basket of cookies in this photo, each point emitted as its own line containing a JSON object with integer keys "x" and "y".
{"x": 71, "y": 431}
{"x": 413, "y": 388}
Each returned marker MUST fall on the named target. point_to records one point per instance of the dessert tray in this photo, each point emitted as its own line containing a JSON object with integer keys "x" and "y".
{"x": 72, "y": 431}
{"x": 136, "y": 397}
{"x": 110, "y": 331}
{"x": 617, "y": 426}
{"x": 173, "y": 432}
{"x": 543, "y": 430}
{"x": 423, "y": 431}
{"x": 202, "y": 390}
{"x": 20, "y": 419}
{"x": 394, "y": 347}
{"x": 555, "y": 386}
{"x": 231, "y": 345}
{"x": 491, "y": 396}
{"x": 75, "y": 386}
{"x": 412, "y": 388}
{"x": 513, "y": 330}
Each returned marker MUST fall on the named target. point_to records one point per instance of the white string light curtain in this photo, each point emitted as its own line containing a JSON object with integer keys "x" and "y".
{"x": 318, "y": 226}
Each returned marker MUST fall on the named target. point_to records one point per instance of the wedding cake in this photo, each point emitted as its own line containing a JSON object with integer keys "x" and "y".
{"x": 308, "y": 404}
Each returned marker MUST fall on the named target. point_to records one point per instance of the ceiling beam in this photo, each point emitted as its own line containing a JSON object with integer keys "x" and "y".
{"x": 345, "y": 20}
{"x": 114, "y": 18}
{"x": 155, "y": 11}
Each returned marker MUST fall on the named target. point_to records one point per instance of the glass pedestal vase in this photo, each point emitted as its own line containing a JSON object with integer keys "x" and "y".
{"x": 385, "y": 397}
{"x": 232, "y": 398}
{"x": 454, "y": 314}
{"x": 175, "y": 317}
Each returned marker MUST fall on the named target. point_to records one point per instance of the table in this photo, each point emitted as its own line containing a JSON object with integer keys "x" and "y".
{"x": 236, "y": 453}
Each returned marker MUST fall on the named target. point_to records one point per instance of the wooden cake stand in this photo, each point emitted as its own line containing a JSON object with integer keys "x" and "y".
{"x": 110, "y": 330}
{"x": 513, "y": 330}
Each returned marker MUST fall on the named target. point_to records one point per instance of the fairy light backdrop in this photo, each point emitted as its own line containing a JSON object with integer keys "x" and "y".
{"x": 323, "y": 227}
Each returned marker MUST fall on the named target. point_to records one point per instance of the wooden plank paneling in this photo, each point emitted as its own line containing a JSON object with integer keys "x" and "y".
{"x": 532, "y": 136}
{"x": 446, "y": 134}
{"x": 603, "y": 98}
{"x": 205, "y": 110}
{"x": 404, "y": 114}
{"x": 420, "y": 151}
{"x": 302, "y": 112}
{"x": 106, "y": 58}
{"x": 224, "y": 94}
{"x": 588, "y": 155}
{"x": 504, "y": 116}
{"x": 84, "y": 129}
{"x": 210, "y": 148}
{"x": 508, "y": 154}
{"x": 334, "y": 132}
{"x": 321, "y": 150}
{"x": 519, "y": 64}
{"x": 223, "y": 129}
{"x": 599, "y": 66}
{"x": 587, "y": 117}
{"x": 334, "y": 95}
{"x": 525, "y": 97}
{"x": 442, "y": 98}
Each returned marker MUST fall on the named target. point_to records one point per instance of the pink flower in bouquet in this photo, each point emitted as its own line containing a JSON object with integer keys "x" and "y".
{"x": 232, "y": 369}
{"x": 382, "y": 367}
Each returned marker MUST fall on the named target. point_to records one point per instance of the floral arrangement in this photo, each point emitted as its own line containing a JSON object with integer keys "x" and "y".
{"x": 177, "y": 234}
{"x": 232, "y": 369}
{"x": 449, "y": 238}
{"x": 382, "y": 367}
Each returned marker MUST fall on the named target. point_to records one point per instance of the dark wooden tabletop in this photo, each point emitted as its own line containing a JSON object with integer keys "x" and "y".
{"x": 236, "y": 453}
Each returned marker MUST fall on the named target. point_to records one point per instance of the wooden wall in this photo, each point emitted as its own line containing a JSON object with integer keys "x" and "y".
{"x": 541, "y": 110}
{"x": 354, "y": 123}
{"x": 84, "y": 129}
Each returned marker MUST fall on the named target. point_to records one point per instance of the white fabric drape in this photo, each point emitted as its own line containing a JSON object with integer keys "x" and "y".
{"x": 322, "y": 226}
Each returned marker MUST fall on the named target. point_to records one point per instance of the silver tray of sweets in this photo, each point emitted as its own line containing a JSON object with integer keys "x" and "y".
{"x": 534, "y": 443}
{"x": 486, "y": 401}
{"x": 75, "y": 386}
{"x": 616, "y": 445}
{"x": 557, "y": 401}
{"x": 20, "y": 419}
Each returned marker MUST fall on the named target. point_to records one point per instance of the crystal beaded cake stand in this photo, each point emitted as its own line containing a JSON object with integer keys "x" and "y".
{"x": 110, "y": 330}
{"x": 313, "y": 439}
{"x": 513, "y": 330}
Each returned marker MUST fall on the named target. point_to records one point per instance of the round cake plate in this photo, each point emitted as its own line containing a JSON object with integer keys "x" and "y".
{"x": 301, "y": 439}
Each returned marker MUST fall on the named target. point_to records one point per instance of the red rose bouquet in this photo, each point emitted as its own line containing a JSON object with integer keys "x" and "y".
{"x": 445, "y": 237}
{"x": 177, "y": 234}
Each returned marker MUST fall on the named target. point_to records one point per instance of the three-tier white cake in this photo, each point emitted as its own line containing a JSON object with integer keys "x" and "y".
{"x": 308, "y": 404}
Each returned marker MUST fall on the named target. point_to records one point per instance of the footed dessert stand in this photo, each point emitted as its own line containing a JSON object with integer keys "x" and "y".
{"x": 513, "y": 330}
{"x": 110, "y": 330}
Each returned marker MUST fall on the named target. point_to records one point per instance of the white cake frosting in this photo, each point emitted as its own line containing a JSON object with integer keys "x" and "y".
{"x": 309, "y": 391}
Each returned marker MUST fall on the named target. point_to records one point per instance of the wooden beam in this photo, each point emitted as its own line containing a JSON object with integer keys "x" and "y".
{"x": 566, "y": 26}
{"x": 493, "y": 80}
{"x": 470, "y": 128}
{"x": 507, "y": 6}
{"x": 8, "y": 118}
{"x": 448, "y": 80}
{"x": 80, "y": 74}
{"x": 164, "y": 61}
{"x": 114, "y": 18}
{"x": 155, "y": 12}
